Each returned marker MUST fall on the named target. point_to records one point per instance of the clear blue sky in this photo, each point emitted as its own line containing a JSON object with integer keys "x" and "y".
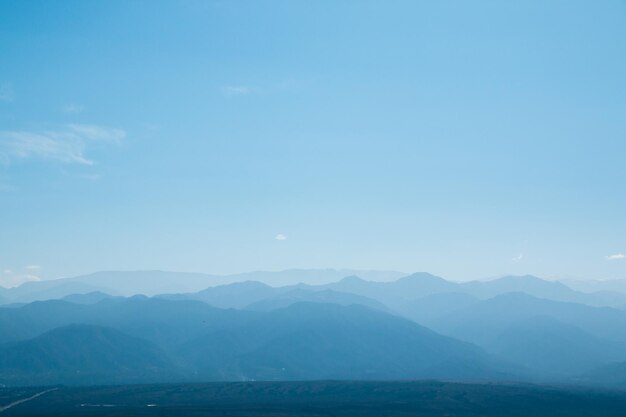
{"x": 464, "y": 138}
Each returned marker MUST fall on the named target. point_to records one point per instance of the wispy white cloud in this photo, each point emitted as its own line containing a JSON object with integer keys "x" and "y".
{"x": 286, "y": 85}
{"x": 73, "y": 108}
{"x": 615, "y": 257}
{"x": 6, "y": 92}
{"x": 280, "y": 236}
{"x": 66, "y": 145}
{"x": 98, "y": 133}
{"x": 237, "y": 90}
{"x": 24, "y": 145}
{"x": 9, "y": 278}
{"x": 32, "y": 267}
{"x": 518, "y": 258}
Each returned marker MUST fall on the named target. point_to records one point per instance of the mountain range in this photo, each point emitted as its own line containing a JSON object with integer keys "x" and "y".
{"x": 128, "y": 283}
{"x": 62, "y": 342}
{"x": 413, "y": 327}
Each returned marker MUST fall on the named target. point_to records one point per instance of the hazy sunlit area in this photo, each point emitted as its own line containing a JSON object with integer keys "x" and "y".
{"x": 313, "y": 208}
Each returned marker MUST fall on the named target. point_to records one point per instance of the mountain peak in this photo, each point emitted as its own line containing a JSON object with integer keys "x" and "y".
{"x": 352, "y": 279}
{"x": 423, "y": 276}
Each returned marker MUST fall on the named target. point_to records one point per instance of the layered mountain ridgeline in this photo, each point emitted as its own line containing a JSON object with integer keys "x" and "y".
{"x": 325, "y": 341}
{"x": 128, "y": 283}
{"x": 189, "y": 340}
{"x": 320, "y": 398}
{"x": 521, "y": 328}
{"x": 390, "y": 288}
{"x": 255, "y": 295}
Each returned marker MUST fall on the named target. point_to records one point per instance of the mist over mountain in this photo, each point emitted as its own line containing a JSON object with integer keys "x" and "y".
{"x": 547, "y": 346}
{"x": 88, "y": 298}
{"x": 325, "y": 341}
{"x": 552, "y": 290}
{"x": 479, "y": 322}
{"x": 195, "y": 341}
{"x": 418, "y": 326}
{"x": 387, "y": 287}
{"x": 259, "y": 296}
{"x": 236, "y": 295}
{"x": 429, "y": 309}
{"x": 195, "y": 196}
{"x": 594, "y": 285}
{"x": 128, "y": 283}
{"x": 297, "y": 295}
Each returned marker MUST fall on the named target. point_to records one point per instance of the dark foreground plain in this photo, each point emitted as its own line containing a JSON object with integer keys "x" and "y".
{"x": 319, "y": 398}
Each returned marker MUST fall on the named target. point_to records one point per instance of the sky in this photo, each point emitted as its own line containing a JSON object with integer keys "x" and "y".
{"x": 466, "y": 139}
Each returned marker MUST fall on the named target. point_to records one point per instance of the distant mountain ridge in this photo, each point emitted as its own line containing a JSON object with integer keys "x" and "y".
{"x": 250, "y": 330}
{"x": 388, "y": 287}
{"x": 521, "y": 326}
{"x": 128, "y": 283}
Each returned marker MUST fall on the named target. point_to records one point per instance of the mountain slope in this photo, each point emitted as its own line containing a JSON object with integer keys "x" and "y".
{"x": 431, "y": 308}
{"x": 549, "y": 347}
{"x": 88, "y": 298}
{"x": 164, "y": 322}
{"x": 83, "y": 354}
{"x": 479, "y": 323}
{"x": 325, "y": 341}
{"x": 285, "y": 299}
{"x": 537, "y": 287}
{"x": 235, "y": 295}
{"x": 550, "y": 338}
{"x": 396, "y": 293}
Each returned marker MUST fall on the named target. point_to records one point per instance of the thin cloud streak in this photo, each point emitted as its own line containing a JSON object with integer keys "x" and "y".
{"x": 237, "y": 90}
{"x": 67, "y": 145}
{"x": 72, "y": 108}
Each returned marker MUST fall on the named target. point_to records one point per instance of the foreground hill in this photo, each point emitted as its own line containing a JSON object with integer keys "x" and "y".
{"x": 322, "y": 398}
{"x": 76, "y": 353}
